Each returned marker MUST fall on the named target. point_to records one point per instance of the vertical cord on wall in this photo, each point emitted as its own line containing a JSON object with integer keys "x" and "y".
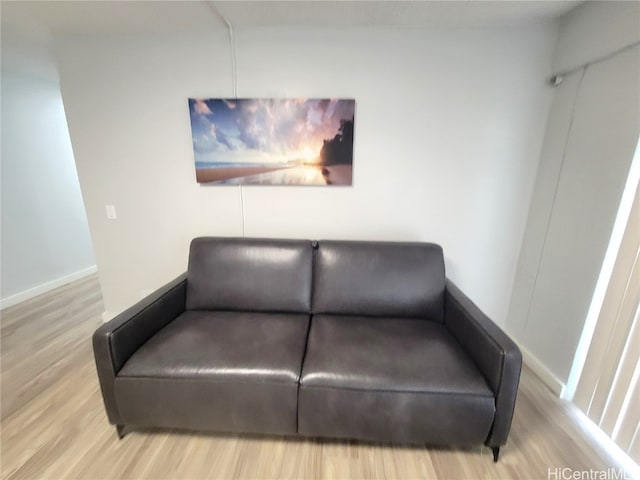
{"x": 242, "y": 208}
{"x": 232, "y": 47}
{"x": 234, "y": 81}
{"x": 234, "y": 71}
{"x": 555, "y": 190}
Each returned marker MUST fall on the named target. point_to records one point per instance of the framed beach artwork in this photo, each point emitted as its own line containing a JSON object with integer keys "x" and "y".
{"x": 273, "y": 141}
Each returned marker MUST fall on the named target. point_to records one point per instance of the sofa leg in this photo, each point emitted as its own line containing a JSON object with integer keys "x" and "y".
{"x": 496, "y": 453}
{"x": 121, "y": 432}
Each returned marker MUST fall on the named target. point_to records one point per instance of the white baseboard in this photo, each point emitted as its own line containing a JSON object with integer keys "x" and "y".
{"x": 548, "y": 378}
{"x": 107, "y": 315}
{"x": 45, "y": 287}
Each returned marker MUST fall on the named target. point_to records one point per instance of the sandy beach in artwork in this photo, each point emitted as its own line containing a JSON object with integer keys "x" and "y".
{"x": 206, "y": 175}
{"x": 277, "y": 175}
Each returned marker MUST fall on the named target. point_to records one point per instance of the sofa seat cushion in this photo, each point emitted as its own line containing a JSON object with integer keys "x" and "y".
{"x": 393, "y": 379}
{"x": 228, "y": 371}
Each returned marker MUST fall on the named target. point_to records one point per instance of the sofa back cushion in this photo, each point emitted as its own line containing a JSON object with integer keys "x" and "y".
{"x": 380, "y": 279}
{"x": 249, "y": 275}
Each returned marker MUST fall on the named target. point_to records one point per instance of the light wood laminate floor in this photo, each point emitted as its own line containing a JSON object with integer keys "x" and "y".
{"x": 54, "y": 425}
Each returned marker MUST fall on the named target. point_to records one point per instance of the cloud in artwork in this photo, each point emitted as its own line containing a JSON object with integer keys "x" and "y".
{"x": 201, "y": 107}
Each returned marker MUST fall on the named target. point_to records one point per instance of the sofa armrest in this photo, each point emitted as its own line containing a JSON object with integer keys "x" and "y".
{"x": 495, "y": 354}
{"x": 115, "y": 341}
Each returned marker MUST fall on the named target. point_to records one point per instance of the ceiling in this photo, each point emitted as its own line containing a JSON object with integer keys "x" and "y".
{"x": 28, "y": 27}
{"x": 412, "y": 14}
{"x": 130, "y": 17}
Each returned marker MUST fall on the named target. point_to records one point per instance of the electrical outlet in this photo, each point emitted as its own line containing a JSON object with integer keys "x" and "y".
{"x": 111, "y": 212}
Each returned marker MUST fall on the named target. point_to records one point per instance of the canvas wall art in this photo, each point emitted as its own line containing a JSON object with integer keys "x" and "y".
{"x": 273, "y": 141}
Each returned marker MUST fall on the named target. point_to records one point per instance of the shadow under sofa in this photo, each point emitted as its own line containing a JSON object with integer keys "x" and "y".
{"x": 335, "y": 339}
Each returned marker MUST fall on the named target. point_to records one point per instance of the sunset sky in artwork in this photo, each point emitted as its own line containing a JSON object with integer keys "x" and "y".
{"x": 264, "y": 131}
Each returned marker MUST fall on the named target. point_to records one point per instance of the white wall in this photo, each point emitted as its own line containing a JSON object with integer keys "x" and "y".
{"x": 591, "y": 136}
{"x": 45, "y": 236}
{"x": 449, "y": 126}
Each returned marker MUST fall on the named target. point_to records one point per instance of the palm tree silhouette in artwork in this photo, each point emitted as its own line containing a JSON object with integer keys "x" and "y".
{"x": 339, "y": 150}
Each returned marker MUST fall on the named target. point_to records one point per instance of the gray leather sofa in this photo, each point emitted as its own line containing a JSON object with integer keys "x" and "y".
{"x": 361, "y": 340}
